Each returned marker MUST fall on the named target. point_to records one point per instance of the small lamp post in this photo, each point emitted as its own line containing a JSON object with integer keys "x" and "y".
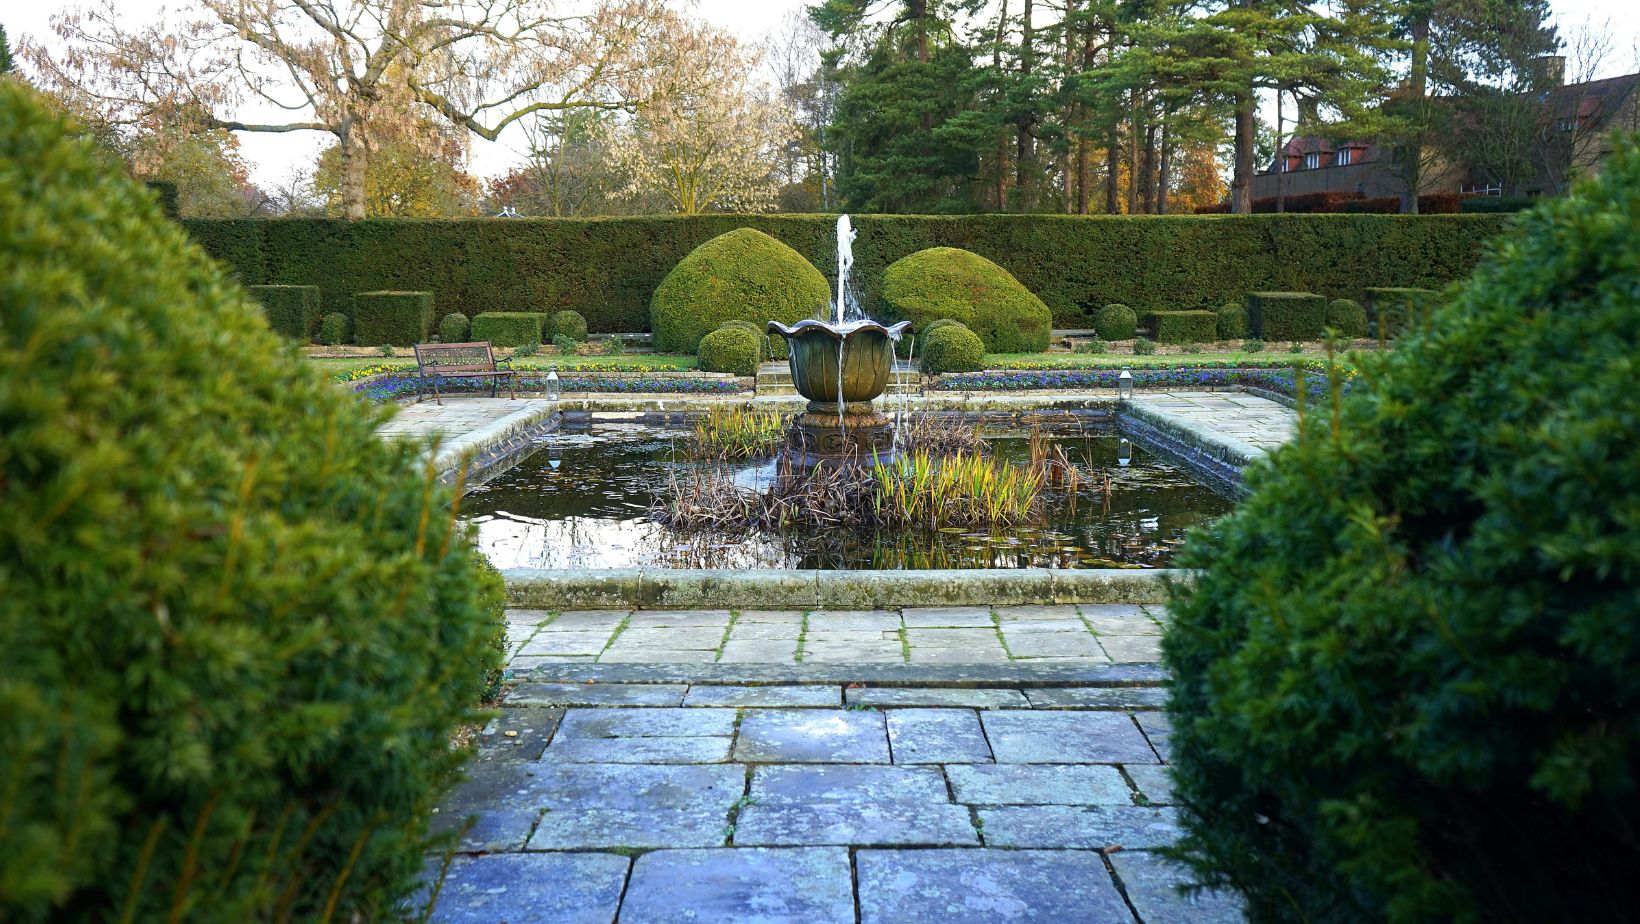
{"x": 552, "y": 383}
{"x": 1124, "y": 385}
{"x": 1124, "y": 452}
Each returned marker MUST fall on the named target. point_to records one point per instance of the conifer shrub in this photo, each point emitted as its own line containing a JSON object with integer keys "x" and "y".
{"x": 509, "y": 328}
{"x": 1232, "y": 322}
{"x": 952, "y": 348}
{"x": 560, "y": 343}
{"x": 730, "y": 349}
{"x": 336, "y": 328}
{"x": 290, "y": 310}
{"x": 1347, "y": 317}
{"x": 238, "y": 629}
{"x": 1184, "y": 326}
{"x": 392, "y": 318}
{"x": 1407, "y": 673}
{"x": 568, "y": 324}
{"x": 1286, "y": 315}
{"x": 1117, "y": 322}
{"x": 945, "y": 282}
{"x": 742, "y": 275}
{"x": 454, "y": 328}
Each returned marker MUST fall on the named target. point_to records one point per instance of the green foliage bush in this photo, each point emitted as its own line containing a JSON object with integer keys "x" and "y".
{"x": 1347, "y": 317}
{"x": 1232, "y": 322}
{"x": 454, "y": 328}
{"x": 1184, "y": 326}
{"x": 1094, "y": 347}
{"x": 1407, "y": 672}
{"x": 608, "y": 268}
{"x": 568, "y": 324}
{"x": 952, "y": 348}
{"x": 614, "y": 346}
{"x": 393, "y": 318}
{"x": 744, "y": 275}
{"x": 239, "y": 629}
{"x": 1286, "y": 315}
{"x": 509, "y": 328}
{"x": 1143, "y": 346}
{"x": 291, "y": 310}
{"x": 335, "y": 328}
{"x": 945, "y": 282}
{"x": 934, "y": 325}
{"x": 1253, "y": 345}
{"x": 730, "y": 349}
{"x": 1390, "y": 309}
{"x": 765, "y": 343}
{"x": 563, "y": 345}
{"x": 1484, "y": 205}
{"x": 1117, "y": 322}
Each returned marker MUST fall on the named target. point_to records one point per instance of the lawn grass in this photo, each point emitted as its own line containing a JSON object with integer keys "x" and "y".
{"x": 347, "y": 368}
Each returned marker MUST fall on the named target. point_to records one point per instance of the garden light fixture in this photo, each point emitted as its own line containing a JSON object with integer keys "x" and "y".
{"x": 552, "y": 383}
{"x": 1124, "y": 385}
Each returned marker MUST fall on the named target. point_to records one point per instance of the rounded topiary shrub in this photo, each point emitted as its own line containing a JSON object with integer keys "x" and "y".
{"x": 567, "y": 324}
{"x": 335, "y": 328}
{"x": 1232, "y": 322}
{"x": 1407, "y": 671}
{"x": 239, "y": 629}
{"x": 745, "y": 275}
{"x": 765, "y": 343}
{"x": 1347, "y": 317}
{"x": 730, "y": 349}
{"x": 945, "y": 282}
{"x": 453, "y": 327}
{"x": 923, "y": 332}
{"x": 952, "y": 348}
{"x": 1117, "y": 322}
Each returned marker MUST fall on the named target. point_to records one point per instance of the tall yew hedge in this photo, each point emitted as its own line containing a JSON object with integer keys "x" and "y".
{"x": 608, "y": 268}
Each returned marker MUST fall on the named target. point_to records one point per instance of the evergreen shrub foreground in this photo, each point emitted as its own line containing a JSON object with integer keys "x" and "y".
{"x": 238, "y": 630}
{"x": 1407, "y": 676}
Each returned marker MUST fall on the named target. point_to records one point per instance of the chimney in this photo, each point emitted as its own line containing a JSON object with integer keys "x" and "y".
{"x": 1551, "y": 70}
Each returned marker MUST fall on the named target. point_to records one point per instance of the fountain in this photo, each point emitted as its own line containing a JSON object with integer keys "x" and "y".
{"x": 841, "y": 367}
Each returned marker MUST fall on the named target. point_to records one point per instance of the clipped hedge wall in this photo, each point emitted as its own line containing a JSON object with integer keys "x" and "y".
{"x": 608, "y": 268}
{"x": 508, "y": 328}
{"x": 290, "y": 310}
{"x": 1185, "y": 326}
{"x": 1391, "y": 309}
{"x": 396, "y": 318}
{"x": 732, "y": 349}
{"x": 1286, "y": 315}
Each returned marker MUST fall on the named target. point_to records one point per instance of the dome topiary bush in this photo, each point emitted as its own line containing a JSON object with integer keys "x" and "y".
{"x": 945, "y": 282}
{"x": 1407, "y": 673}
{"x": 239, "y": 629}
{"x": 730, "y": 349}
{"x": 454, "y": 327}
{"x": 1347, "y": 317}
{"x": 923, "y": 332}
{"x": 952, "y": 348}
{"x": 1117, "y": 322}
{"x": 765, "y": 343}
{"x": 745, "y": 275}
{"x": 567, "y": 324}
{"x": 1232, "y": 322}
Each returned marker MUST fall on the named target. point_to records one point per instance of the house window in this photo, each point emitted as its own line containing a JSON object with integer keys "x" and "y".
{"x": 1312, "y": 161}
{"x": 1342, "y": 158}
{"x": 1568, "y": 124}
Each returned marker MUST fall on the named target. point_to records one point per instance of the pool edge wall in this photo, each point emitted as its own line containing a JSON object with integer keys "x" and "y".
{"x": 775, "y": 589}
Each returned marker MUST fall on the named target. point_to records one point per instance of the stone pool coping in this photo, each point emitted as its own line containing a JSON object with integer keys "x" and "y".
{"x": 770, "y": 588}
{"x": 1011, "y": 675}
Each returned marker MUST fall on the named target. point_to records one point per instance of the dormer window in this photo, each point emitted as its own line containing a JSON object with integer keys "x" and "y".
{"x": 1342, "y": 157}
{"x": 1312, "y": 161}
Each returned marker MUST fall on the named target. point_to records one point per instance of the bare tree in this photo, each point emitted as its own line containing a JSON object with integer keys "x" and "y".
{"x": 365, "y": 71}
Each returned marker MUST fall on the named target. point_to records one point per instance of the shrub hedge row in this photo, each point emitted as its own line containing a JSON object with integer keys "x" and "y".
{"x": 1286, "y": 315}
{"x": 509, "y": 328}
{"x": 1390, "y": 309}
{"x": 1185, "y": 326}
{"x": 397, "y": 318}
{"x": 291, "y": 310}
{"x": 607, "y": 269}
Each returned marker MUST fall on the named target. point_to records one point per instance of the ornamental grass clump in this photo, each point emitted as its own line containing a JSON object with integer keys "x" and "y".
{"x": 238, "y": 629}
{"x": 736, "y": 433}
{"x": 1406, "y": 673}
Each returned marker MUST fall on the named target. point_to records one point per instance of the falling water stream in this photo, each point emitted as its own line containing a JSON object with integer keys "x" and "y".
{"x": 850, "y": 316}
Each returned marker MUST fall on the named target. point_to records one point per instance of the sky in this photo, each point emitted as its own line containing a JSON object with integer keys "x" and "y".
{"x": 273, "y": 157}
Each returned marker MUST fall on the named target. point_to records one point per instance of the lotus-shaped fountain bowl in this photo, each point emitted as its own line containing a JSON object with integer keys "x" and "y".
{"x": 867, "y": 358}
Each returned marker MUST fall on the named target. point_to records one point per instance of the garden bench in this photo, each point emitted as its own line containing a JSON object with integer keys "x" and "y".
{"x": 462, "y": 360}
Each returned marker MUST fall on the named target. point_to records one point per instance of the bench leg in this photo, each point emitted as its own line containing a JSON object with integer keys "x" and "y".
{"x": 437, "y": 399}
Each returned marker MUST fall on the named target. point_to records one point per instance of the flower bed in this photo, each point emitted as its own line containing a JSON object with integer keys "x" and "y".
{"x": 393, "y": 387}
{"x": 1282, "y": 379}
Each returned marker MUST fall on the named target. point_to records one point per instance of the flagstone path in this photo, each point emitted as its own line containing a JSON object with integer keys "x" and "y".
{"x": 636, "y": 798}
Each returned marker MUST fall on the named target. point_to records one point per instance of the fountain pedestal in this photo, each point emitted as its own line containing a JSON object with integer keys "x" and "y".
{"x": 840, "y": 368}
{"x": 819, "y": 437}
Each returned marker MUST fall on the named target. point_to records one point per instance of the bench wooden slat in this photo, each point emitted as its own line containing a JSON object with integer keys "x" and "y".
{"x": 467, "y": 364}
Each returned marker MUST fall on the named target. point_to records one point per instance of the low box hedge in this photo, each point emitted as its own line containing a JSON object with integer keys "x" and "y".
{"x": 395, "y": 318}
{"x": 291, "y": 310}
{"x": 1184, "y": 326}
{"x": 509, "y": 328}
{"x": 1287, "y": 315}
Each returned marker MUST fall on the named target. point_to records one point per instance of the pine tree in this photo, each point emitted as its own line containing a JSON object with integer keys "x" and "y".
{"x": 6, "y": 63}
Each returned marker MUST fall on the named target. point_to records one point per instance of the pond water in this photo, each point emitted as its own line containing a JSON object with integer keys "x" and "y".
{"x": 583, "y": 501}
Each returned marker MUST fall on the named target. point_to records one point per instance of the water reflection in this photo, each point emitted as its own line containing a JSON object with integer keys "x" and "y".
{"x": 583, "y": 502}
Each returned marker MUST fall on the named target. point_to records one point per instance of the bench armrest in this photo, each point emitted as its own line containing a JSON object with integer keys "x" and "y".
{"x": 504, "y": 364}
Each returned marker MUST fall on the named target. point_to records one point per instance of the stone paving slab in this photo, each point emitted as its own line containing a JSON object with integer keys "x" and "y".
{"x": 1088, "y": 827}
{"x": 1039, "y": 672}
{"x": 811, "y": 736}
{"x": 750, "y": 885}
{"x": 647, "y": 723}
{"x": 1152, "y": 883}
{"x": 591, "y": 694}
{"x": 1159, "y": 732}
{"x": 668, "y": 750}
{"x": 531, "y": 888}
{"x": 891, "y": 823}
{"x": 609, "y": 829}
{"x": 936, "y": 736}
{"x": 1039, "y": 784}
{"x": 940, "y": 886}
{"x": 1154, "y": 783}
{"x": 1038, "y": 737}
{"x": 1125, "y": 698}
{"x": 816, "y": 783}
{"x": 773, "y": 697}
{"x": 947, "y": 616}
{"x": 936, "y": 696}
